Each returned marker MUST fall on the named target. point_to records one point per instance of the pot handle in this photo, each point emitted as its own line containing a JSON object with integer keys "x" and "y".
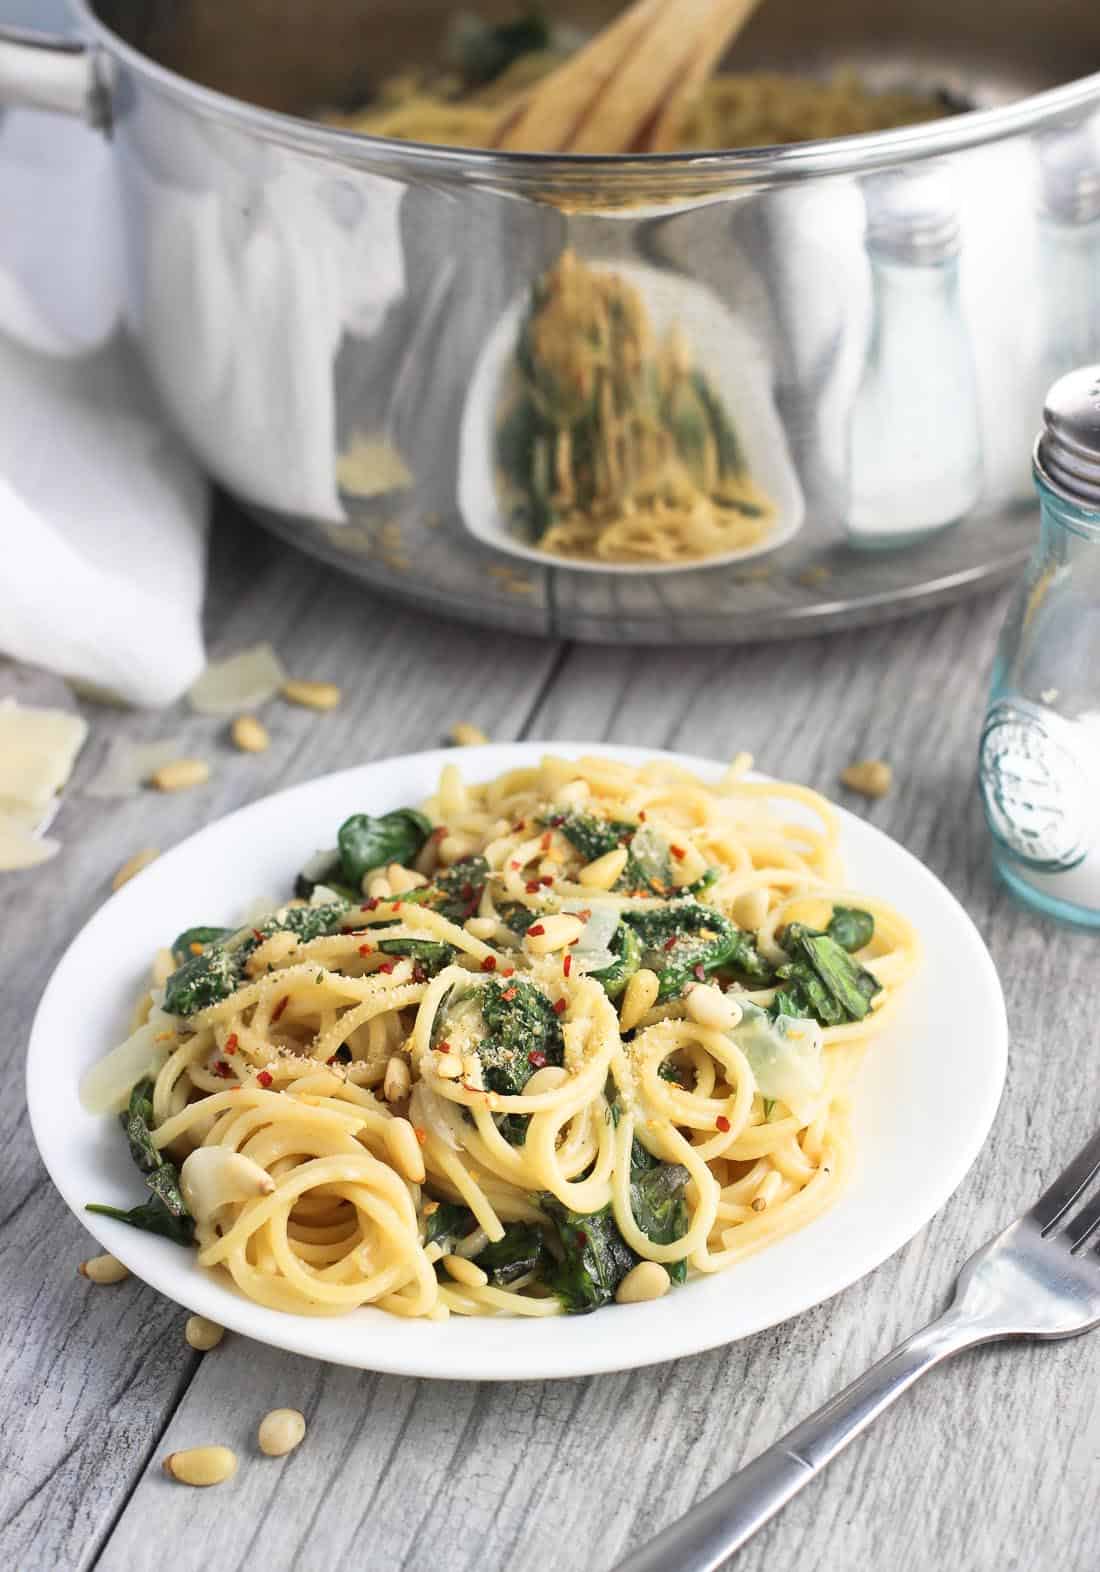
{"x": 40, "y": 71}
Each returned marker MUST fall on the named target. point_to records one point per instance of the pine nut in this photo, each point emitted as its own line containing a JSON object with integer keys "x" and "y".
{"x": 455, "y": 848}
{"x": 180, "y": 775}
{"x": 464, "y": 1272}
{"x": 377, "y": 886}
{"x": 691, "y": 866}
{"x": 548, "y": 1079}
{"x": 103, "y": 1269}
{"x": 648, "y": 1280}
{"x": 201, "y": 1465}
{"x": 404, "y": 1150}
{"x": 398, "y": 1080}
{"x": 604, "y": 871}
{"x": 481, "y": 927}
{"x": 466, "y": 736}
{"x": 869, "y": 777}
{"x": 402, "y": 879}
{"x": 710, "y": 1007}
{"x": 639, "y": 997}
{"x": 449, "y": 1066}
{"x": 557, "y": 933}
{"x": 133, "y": 865}
{"x": 281, "y": 1431}
{"x": 750, "y": 909}
{"x": 272, "y": 952}
{"x": 249, "y": 734}
{"x": 164, "y": 964}
{"x": 312, "y": 695}
{"x": 203, "y": 1334}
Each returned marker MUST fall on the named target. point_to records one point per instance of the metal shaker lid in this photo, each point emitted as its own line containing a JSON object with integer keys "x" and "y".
{"x": 1067, "y": 454}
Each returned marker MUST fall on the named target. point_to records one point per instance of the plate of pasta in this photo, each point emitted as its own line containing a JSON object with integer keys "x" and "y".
{"x": 550, "y": 1061}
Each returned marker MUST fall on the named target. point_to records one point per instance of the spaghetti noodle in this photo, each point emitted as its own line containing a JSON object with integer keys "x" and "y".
{"x": 599, "y": 1016}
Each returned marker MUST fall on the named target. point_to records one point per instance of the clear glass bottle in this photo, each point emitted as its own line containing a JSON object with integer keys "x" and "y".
{"x": 1069, "y": 240}
{"x": 915, "y": 462}
{"x": 1039, "y": 758}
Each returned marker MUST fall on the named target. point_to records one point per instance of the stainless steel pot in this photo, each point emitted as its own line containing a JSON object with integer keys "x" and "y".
{"x": 327, "y": 317}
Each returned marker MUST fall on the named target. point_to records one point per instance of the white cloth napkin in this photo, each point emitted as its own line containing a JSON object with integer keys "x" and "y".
{"x": 103, "y": 515}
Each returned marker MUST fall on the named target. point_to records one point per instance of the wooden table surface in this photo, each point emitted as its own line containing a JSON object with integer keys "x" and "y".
{"x": 990, "y": 1465}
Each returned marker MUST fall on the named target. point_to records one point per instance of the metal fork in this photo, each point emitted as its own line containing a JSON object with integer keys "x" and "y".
{"x": 1039, "y": 1278}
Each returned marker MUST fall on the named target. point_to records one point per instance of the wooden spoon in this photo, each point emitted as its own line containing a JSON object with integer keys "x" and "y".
{"x": 629, "y": 90}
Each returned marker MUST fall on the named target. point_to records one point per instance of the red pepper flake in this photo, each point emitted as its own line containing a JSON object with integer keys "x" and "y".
{"x": 582, "y": 1237}
{"x": 489, "y": 964}
{"x": 333, "y": 1060}
{"x": 641, "y": 816}
{"x": 560, "y": 1007}
{"x": 585, "y": 914}
{"x": 439, "y": 832}
{"x": 547, "y": 841}
{"x": 257, "y": 935}
{"x": 522, "y": 825}
{"x": 222, "y": 1069}
{"x": 532, "y": 886}
{"x": 371, "y": 905}
{"x": 508, "y": 971}
{"x": 467, "y": 892}
{"x": 231, "y": 1043}
{"x": 421, "y": 1135}
{"x": 366, "y": 949}
{"x": 678, "y": 852}
{"x": 509, "y": 994}
{"x": 397, "y": 906}
{"x": 699, "y": 971}
{"x": 443, "y": 1048}
{"x": 537, "y": 1058}
{"x": 264, "y": 1078}
{"x": 566, "y": 965}
{"x": 387, "y": 967}
{"x": 670, "y": 944}
{"x": 535, "y": 929}
{"x": 723, "y": 1123}
{"x": 558, "y": 819}
{"x": 279, "y": 1008}
{"x": 515, "y": 863}
{"x": 547, "y": 880}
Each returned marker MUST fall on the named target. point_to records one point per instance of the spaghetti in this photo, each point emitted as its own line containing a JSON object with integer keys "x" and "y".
{"x": 599, "y": 1016}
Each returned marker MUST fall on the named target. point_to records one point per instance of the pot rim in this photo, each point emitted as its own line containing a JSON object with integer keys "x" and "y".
{"x": 720, "y": 170}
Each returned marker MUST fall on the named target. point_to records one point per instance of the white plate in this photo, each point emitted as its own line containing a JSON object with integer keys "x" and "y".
{"x": 924, "y": 1102}
{"x": 735, "y": 363}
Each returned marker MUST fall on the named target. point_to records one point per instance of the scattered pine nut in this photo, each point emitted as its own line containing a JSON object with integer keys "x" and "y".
{"x": 203, "y": 1334}
{"x": 398, "y": 1080}
{"x": 454, "y": 848}
{"x": 281, "y": 1431}
{"x": 403, "y": 879}
{"x": 103, "y": 1269}
{"x": 604, "y": 872}
{"x": 134, "y": 865}
{"x": 464, "y": 735}
{"x": 249, "y": 734}
{"x": 312, "y": 695}
{"x": 180, "y": 775}
{"x": 750, "y": 908}
{"x": 201, "y": 1465}
{"x": 377, "y": 886}
{"x": 869, "y": 777}
{"x": 639, "y": 997}
{"x": 556, "y": 933}
{"x": 710, "y": 1007}
{"x": 481, "y": 927}
{"x": 648, "y": 1280}
{"x": 404, "y": 1150}
{"x": 464, "y": 1272}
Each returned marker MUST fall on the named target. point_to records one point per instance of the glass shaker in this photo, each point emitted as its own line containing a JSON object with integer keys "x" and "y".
{"x": 1039, "y": 759}
{"x": 915, "y": 459}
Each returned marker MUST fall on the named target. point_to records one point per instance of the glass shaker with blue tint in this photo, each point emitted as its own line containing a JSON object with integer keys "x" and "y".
{"x": 1039, "y": 761}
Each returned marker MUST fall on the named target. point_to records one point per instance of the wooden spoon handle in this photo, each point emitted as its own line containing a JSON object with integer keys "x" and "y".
{"x": 730, "y": 17}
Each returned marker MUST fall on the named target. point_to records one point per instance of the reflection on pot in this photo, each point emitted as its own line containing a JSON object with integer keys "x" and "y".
{"x": 612, "y": 445}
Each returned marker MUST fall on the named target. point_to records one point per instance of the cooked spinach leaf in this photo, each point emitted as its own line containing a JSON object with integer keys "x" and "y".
{"x": 657, "y": 1201}
{"x": 593, "y": 837}
{"x": 686, "y": 941}
{"x": 524, "y": 1034}
{"x": 429, "y": 956}
{"x": 305, "y": 922}
{"x": 821, "y": 979}
{"x": 627, "y": 949}
{"x": 449, "y": 1224}
{"x": 519, "y": 1252}
{"x": 167, "y": 1212}
{"x": 182, "y": 946}
{"x": 851, "y": 928}
{"x": 367, "y": 842}
{"x": 591, "y": 1257}
{"x": 456, "y": 894}
{"x": 203, "y": 981}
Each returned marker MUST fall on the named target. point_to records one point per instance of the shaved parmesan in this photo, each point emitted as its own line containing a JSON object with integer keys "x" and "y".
{"x": 106, "y": 1086}
{"x": 785, "y": 1056}
{"x": 128, "y": 765}
{"x": 38, "y": 748}
{"x": 241, "y": 682}
{"x": 20, "y": 849}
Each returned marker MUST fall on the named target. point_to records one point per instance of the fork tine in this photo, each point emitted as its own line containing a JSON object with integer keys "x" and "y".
{"x": 1083, "y": 1225}
{"x": 1055, "y": 1202}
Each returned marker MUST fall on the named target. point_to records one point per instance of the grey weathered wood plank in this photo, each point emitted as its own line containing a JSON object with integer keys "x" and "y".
{"x": 978, "y": 1468}
{"x": 89, "y": 1377}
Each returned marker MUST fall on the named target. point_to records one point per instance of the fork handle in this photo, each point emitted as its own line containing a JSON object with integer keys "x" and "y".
{"x": 723, "y": 1521}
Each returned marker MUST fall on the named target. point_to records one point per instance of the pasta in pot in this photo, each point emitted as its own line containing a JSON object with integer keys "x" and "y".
{"x": 597, "y": 1064}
